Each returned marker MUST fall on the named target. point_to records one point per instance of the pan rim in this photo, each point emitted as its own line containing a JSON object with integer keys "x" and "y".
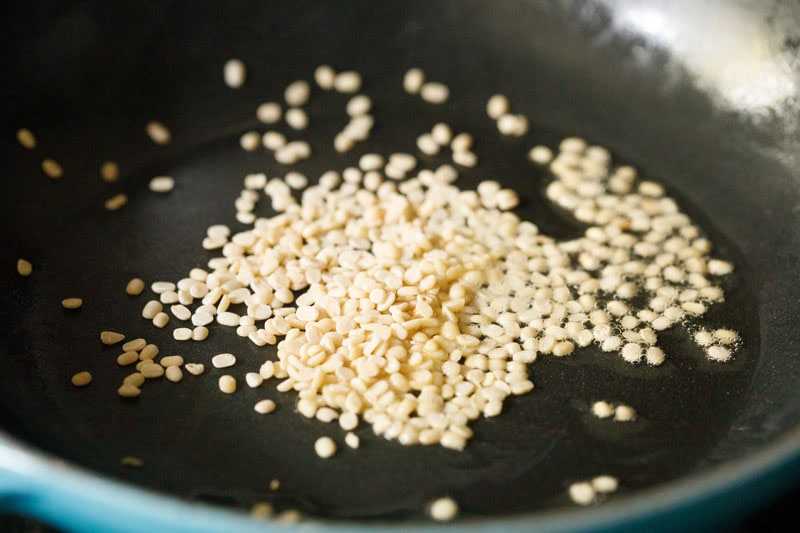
{"x": 39, "y": 484}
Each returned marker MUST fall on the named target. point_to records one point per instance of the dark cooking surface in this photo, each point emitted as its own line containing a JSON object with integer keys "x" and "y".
{"x": 87, "y": 104}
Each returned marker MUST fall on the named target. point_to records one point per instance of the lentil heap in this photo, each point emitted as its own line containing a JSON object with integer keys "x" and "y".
{"x": 401, "y": 300}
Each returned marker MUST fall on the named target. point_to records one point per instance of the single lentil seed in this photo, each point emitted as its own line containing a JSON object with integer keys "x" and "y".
{"x": 26, "y": 138}
{"x": 135, "y": 287}
{"x": 227, "y": 384}
{"x": 234, "y": 73}
{"x": 52, "y": 169}
{"x": 264, "y": 407}
{"x": 24, "y": 267}
{"x": 116, "y": 202}
{"x": 158, "y": 133}
{"x": 111, "y": 337}
{"x": 109, "y": 171}
{"x": 72, "y": 303}
{"x": 174, "y": 374}
{"x": 162, "y": 184}
{"x": 443, "y": 509}
{"x": 325, "y": 447}
{"x": 81, "y": 379}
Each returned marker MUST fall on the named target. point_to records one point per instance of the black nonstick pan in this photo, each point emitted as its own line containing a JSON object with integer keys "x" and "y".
{"x": 702, "y": 97}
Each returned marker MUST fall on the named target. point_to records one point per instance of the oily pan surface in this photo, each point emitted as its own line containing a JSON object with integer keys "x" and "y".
{"x": 86, "y": 107}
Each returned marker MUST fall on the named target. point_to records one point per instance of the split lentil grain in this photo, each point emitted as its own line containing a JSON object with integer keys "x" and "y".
{"x": 116, "y": 202}
{"x": 24, "y": 267}
{"x": 81, "y": 379}
{"x": 26, "y": 138}
{"x": 234, "y": 73}
{"x": 111, "y": 337}
{"x": 109, "y": 172}
{"x": 135, "y": 287}
{"x": 163, "y": 184}
{"x": 52, "y": 169}
{"x": 443, "y": 509}
{"x": 158, "y": 132}
{"x": 325, "y": 447}
{"x": 72, "y": 303}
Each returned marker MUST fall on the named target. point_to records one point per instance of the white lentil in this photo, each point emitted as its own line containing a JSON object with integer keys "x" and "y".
{"x": 151, "y": 309}
{"x": 223, "y": 360}
{"x": 352, "y": 440}
{"x": 148, "y": 352}
{"x": 514, "y": 125}
{"x": 171, "y": 360}
{"x": 162, "y": 184}
{"x": 52, "y": 169}
{"x": 111, "y": 337}
{"x": 135, "y": 287}
{"x": 129, "y": 391}
{"x": 109, "y": 171}
{"x": 347, "y": 82}
{"x": 227, "y": 384}
{"x": 605, "y": 484}
{"x": 195, "y": 369}
{"x": 461, "y": 142}
{"x": 325, "y": 447}
{"x": 269, "y": 113}
{"x": 174, "y": 374}
{"x": 81, "y": 379}
{"x": 296, "y": 118}
{"x": 325, "y": 77}
{"x": 127, "y": 358}
{"x": 116, "y": 202}
{"x": 72, "y": 303}
{"x": 465, "y": 159}
{"x": 151, "y": 370}
{"x": 541, "y": 155}
{"x": 443, "y": 509}
{"x": 136, "y": 379}
{"x": 250, "y": 141}
{"x": 158, "y": 132}
{"x": 602, "y": 409}
{"x": 427, "y": 145}
{"x": 297, "y": 93}
{"x": 24, "y": 267}
{"x": 161, "y": 320}
{"x": 26, "y": 138}
{"x": 582, "y": 493}
{"x": 359, "y": 105}
{"x": 497, "y": 106}
{"x": 182, "y": 334}
{"x": 181, "y": 312}
{"x": 434, "y": 92}
{"x": 413, "y": 80}
{"x": 718, "y": 353}
{"x": 253, "y": 379}
{"x": 234, "y": 73}
{"x": 624, "y": 413}
{"x": 264, "y": 407}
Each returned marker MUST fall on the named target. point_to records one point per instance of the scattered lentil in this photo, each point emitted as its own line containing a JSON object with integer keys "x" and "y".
{"x": 264, "y": 407}
{"x": 135, "y": 287}
{"x": 443, "y": 509}
{"x": 52, "y": 169}
{"x": 24, "y": 267}
{"x": 234, "y": 73}
{"x": 81, "y": 379}
{"x": 227, "y": 384}
{"x": 163, "y": 184}
{"x": 325, "y": 447}
{"x": 26, "y": 138}
{"x": 158, "y": 133}
{"x": 109, "y": 171}
{"x": 72, "y": 303}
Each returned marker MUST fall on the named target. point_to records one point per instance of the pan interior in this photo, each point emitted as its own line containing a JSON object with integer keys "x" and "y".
{"x": 88, "y": 99}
